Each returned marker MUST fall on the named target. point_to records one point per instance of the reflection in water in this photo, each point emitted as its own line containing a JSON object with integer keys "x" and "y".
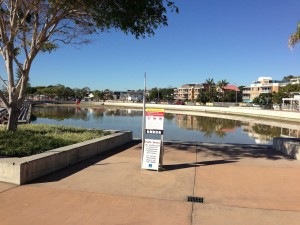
{"x": 177, "y": 126}
{"x": 261, "y": 133}
{"x": 207, "y": 125}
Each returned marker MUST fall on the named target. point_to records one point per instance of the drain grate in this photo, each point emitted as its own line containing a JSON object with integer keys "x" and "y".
{"x": 195, "y": 199}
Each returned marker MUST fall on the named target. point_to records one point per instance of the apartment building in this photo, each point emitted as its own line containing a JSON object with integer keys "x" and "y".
{"x": 262, "y": 85}
{"x": 189, "y": 91}
{"x": 295, "y": 80}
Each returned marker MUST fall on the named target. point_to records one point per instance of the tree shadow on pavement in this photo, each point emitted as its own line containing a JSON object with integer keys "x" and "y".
{"x": 196, "y": 164}
{"x": 230, "y": 151}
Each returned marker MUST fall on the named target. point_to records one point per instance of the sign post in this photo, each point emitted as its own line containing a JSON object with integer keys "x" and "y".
{"x": 143, "y": 123}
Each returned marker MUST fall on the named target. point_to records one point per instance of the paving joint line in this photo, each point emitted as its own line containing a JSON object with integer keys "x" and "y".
{"x": 244, "y": 207}
{"x": 103, "y": 193}
{"x": 9, "y": 189}
{"x": 194, "y": 184}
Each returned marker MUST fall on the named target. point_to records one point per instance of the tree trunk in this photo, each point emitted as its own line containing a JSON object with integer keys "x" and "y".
{"x": 13, "y": 112}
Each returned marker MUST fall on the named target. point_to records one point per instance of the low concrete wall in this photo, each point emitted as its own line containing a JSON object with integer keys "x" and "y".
{"x": 23, "y": 170}
{"x": 243, "y": 111}
{"x": 288, "y": 146}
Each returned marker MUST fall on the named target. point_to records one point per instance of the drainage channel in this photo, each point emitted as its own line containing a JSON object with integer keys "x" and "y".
{"x": 195, "y": 199}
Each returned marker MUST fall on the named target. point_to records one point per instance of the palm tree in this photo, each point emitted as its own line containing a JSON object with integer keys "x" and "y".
{"x": 211, "y": 83}
{"x": 221, "y": 85}
{"x": 295, "y": 37}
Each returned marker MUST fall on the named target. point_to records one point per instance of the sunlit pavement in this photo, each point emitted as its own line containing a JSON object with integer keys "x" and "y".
{"x": 240, "y": 184}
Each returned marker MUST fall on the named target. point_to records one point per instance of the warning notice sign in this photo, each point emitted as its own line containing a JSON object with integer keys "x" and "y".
{"x": 155, "y": 119}
{"x": 151, "y": 154}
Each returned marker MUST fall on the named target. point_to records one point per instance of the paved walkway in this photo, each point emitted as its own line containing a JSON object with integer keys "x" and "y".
{"x": 240, "y": 184}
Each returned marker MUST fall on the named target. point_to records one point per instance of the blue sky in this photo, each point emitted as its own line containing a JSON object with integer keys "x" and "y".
{"x": 233, "y": 39}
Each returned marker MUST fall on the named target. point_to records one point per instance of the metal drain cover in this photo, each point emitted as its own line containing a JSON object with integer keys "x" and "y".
{"x": 195, "y": 199}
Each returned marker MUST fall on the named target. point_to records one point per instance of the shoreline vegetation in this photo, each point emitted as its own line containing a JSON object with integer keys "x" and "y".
{"x": 31, "y": 139}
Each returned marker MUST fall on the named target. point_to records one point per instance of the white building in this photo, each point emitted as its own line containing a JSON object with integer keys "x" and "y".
{"x": 135, "y": 96}
{"x": 292, "y": 103}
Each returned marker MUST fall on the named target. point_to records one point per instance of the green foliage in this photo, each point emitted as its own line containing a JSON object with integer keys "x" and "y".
{"x": 31, "y": 90}
{"x": 291, "y": 88}
{"x": 288, "y": 78}
{"x": 263, "y": 99}
{"x": 30, "y": 27}
{"x": 49, "y": 47}
{"x": 294, "y": 37}
{"x": 34, "y": 139}
{"x": 277, "y": 97}
{"x": 230, "y": 96}
{"x": 203, "y": 97}
{"x": 138, "y": 17}
{"x": 169, "y": 116}
{"x": 212, "y": 96}
{"x": 164, "y": 94}
{"x": 222, "y": 83}
{"x": 215, "y": 126}
{"x": 267, "y": 130}
{"x": 99, "y": 95}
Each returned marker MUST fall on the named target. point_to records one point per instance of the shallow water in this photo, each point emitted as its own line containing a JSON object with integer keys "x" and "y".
{"x": 177, "y": 127}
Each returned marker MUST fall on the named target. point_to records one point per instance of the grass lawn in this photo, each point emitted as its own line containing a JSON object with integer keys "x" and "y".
{"x": 32, "y": 139}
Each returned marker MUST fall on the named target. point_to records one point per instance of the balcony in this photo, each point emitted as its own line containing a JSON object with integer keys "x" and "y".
{"x": 265, "y": 91}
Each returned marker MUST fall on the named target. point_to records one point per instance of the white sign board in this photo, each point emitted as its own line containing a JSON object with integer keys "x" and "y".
{"x": 155, "y": 119}
{"x": 151, "y": 154}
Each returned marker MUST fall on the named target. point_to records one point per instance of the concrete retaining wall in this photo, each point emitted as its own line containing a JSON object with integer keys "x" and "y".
{"x": 23, "y": 170}
{"x": 288, "y": 146}
{"x": 244, "y": 111}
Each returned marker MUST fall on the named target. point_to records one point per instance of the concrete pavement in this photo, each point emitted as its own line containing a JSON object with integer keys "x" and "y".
{"x": 241, "y": 184}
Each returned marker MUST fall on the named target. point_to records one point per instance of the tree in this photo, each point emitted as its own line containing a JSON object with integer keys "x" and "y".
{"x": 211, "y": 90}
{"x": 264, "y": 99}
{"x": 203, "y": 97}
{"x": 230, "y": 95}
{"x": 221, "y": 84}
{"x": 291, "y": 88}
{"x": 277, "y": 97}
{"x": 154, "y": 94}
{"x": 164, "y": 94}
{"x": 78, "y": 93}
{"x": 33, "y": 26}
{"x": 85, "y": 91}
{"x": 99, "y": 95}
{"x": 288, "y": 78}
{"x": 294, "y": 37}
